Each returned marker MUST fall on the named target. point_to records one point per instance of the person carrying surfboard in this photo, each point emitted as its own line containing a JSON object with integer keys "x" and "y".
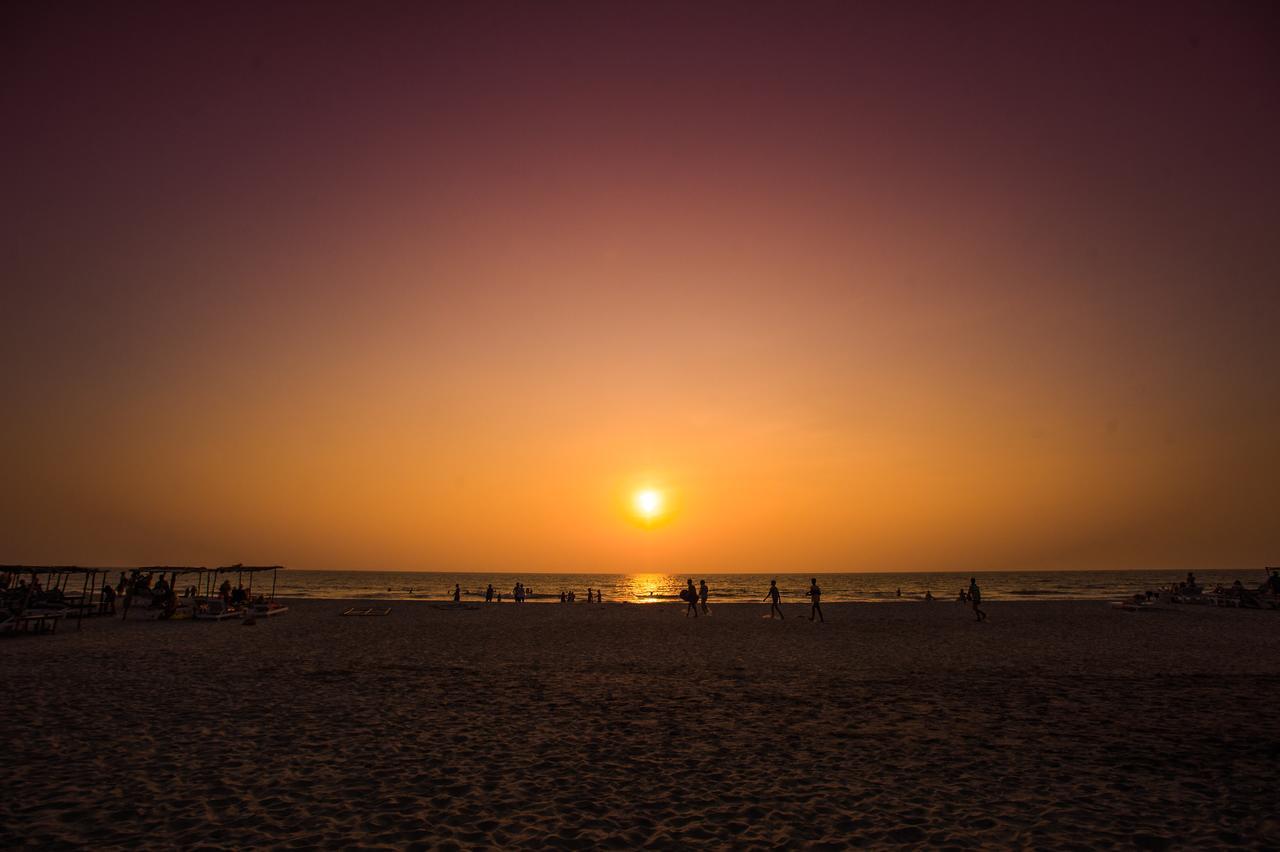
{"x": 690, "y": 594}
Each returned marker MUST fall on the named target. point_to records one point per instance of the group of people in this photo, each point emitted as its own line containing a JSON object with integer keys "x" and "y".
{"x": 973, "y": 597}
{"x": 520, "y": 593}
{"x": 696, "y": 598}
{"x": 593, "y": 596}
{"x": 1190, "y": 591}
{"x": 774, "y": 596}
{"x": 161, "y": 592}
{"x": 16, "y": 593}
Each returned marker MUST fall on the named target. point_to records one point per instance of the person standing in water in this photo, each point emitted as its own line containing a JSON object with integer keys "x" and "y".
{"x": 457, "y": 593}
{"x": 815, "y": 598}
{"x": 975, "y": 598}
{"x": 774, "y": 595}
{"x": 691, "y": 595}
{"x": 702, "y": 596}
{"x": 488, "y": 594}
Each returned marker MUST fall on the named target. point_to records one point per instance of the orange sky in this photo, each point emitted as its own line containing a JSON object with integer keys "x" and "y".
{"x": 860, "y": 293}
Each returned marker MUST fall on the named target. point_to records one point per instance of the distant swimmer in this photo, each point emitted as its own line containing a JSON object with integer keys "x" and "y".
{"x": 774, "y": 595}
{"x": 702, "y": 596}
{"x": 691, "y": 595}
{"x": 928, "y": 596}
{"x": 815, "y": 598}
{"x": 975, "y": 598}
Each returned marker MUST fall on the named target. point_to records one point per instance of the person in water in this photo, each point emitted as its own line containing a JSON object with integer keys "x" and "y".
{"x": 774, "y": 595}
{"x": 815, "y": 599}
{"x": 702, "y": 596}
{"x": 975, "y": 598}
{"x": 488, "y": 594}
{"x": 691, "y": 595}
{"x": 457, "y": 593}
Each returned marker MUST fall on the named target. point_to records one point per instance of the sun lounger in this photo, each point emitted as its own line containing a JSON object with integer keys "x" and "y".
{"x": 214, "y": 610}
{"x": 31, "y": 622}
{"x": 267, "y": 609}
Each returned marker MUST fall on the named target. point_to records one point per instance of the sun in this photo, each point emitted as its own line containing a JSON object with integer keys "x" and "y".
{"x": 647, "y": 503}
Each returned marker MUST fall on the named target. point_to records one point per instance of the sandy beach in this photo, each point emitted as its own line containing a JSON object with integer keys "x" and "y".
{"x": 624, "y": 726}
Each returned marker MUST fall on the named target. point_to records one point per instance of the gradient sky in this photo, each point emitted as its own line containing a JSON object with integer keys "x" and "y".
{"x": 862, "y": 286}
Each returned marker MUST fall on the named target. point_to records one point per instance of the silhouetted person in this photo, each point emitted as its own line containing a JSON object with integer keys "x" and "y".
{"x": 774, "y": 595}
{"x": 702, "y": 596}
{"x": 564, "y": 598}
{"x": 691, "y": 595}
{"x": 899, "y": 591}
{"x": 488, "y": 594}
{"x": 928, "y": 596}
{"x": 599, "y": 596}
{"x": 457, "y": 593}
{"x": 108, "y": 603}
{"x": 815, "y": 600}
{"x": 975, "y": 598}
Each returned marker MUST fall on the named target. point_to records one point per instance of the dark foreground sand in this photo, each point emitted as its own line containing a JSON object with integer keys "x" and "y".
{"x": 1053, "y": 725}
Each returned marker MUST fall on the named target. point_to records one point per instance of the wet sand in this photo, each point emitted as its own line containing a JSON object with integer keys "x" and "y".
{"x": 621, "y": 726}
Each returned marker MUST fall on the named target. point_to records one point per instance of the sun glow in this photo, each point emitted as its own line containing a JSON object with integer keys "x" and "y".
{"x": 647, "y": 503}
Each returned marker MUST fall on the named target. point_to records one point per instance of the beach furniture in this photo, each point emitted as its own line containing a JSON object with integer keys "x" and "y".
{"x": 30, "y": 622}
{"x": 146, "y": 605}
{"x": 265, "y": 604}
{"x": 64, "y": 590}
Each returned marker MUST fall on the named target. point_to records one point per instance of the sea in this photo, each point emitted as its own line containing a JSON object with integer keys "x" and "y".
{"x": 736, "y": 588}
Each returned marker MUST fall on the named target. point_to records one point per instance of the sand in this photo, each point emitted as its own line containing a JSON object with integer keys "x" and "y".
{"x": 624, "y": 726}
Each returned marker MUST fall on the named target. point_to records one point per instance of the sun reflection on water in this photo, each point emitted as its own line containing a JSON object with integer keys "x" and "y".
{"x": 650, "y": 588}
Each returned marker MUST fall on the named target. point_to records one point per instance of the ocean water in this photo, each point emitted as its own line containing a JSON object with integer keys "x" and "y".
{"x": 660, "y": 588}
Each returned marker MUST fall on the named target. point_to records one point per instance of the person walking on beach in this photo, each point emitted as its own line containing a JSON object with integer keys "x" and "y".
{"x": 975, "y": 598}
{"x": 774, "y": 595}
{"x": 702, "y": 597}
{"x": 691, "y": 595}
{"x": 815, "y": 598}
{"x": 488, "y": 594}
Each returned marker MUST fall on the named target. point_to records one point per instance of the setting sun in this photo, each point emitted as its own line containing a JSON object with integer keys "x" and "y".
{"x": 647, "y": 503}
